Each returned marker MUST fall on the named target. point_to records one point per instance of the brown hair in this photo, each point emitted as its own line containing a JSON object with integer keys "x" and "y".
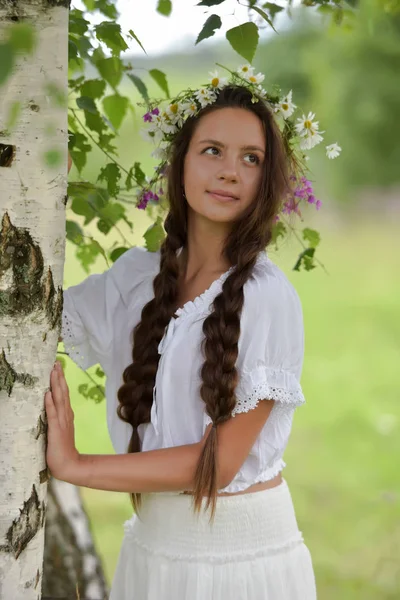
{"x": 248, "y": 236}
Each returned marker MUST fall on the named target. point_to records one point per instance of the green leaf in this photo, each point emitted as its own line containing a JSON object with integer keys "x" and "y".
{"x": 244, "y": 40}
{"x": 110, "y": 34}
{"x": 209, "y": 2}
{"x": 264, "y": 16}
{"x": 111, "y": 174}
{"x": 140, "y": 86}
{"x": 107, "y": 7}
{"x": 94, "y": 88}
{"x": 139, "y": 175}
{"x": 80, "y": 206}
{"x": 210, "y": 26}
{"x": 99, "y": 372}
{"x": 74, "y": 232}
{"x": 115, "y": 254}
{"x": 78, "y": 25}
{"x": 95, "y": 122}
{"x": 87, "y": 104}
{"x": 306, "y": 259}
{"x": 154, "y": 236}
{"x": 110, "y": 215}
{"x": 56, "y": 93}
{"x": 72, "y": 50}
{"x": 53, "y": 158}
{"x": 311, "y": 236}
{"x": 78, "y": 148}
{"x": 272, "y": 8}
{"x": 111, "y": 70}
{"x": 115, "y": 108}
{"x": 22, "y": 37}
{"x": 134, "y": 36}
{"x": 13, "y": 114}
{"x": 84, "y": 46}
{"x": 161, "y": 79}
{"x": 164, "y": 7}
{"x": 6, "y": 61}
{"x": 104, "y": 142}
{"x": 279, "y": 230}
{"x": 90, "y": 4}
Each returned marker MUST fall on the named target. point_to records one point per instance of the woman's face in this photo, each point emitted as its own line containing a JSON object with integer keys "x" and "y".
{"x": 224, "y": 163}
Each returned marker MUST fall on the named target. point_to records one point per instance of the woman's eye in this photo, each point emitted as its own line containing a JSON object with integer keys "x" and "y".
{"x": 255, "y": 160}
{"x": 206, "y": 151}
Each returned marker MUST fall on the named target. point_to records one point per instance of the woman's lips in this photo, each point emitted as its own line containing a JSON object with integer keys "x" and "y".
{"x": 223, "y": 197}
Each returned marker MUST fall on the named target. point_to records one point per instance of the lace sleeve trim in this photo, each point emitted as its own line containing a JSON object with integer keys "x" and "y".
{"x": 264, "y": 383}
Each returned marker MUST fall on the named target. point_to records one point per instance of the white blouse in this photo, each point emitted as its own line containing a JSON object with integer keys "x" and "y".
{"x": 98, "y": 319}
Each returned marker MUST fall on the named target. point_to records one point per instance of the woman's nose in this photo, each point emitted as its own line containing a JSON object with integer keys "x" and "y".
{"x": 229, "y": 169}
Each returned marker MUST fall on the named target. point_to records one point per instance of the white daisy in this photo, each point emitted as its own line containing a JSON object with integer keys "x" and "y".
{"x": 286, "y": 107}
{"x": 152, "y": 134}
{"x": 245, "y": 70}
{"x": 311, "y": 139}
{"x": 216, "y": 81}
{"x": 174, "y": 112}
{"x": 256, "y": 79}
{"x": 306, "y": 124}
{"x": 261, "y": 91}
{"x": 205, "y": 96}
{"x": 308, "y": 130}
{"x": 166, "y": 125}
{"x": 190, "y": 108}
{"x": 161, "y": 153}
{"x": 333, "y": 150}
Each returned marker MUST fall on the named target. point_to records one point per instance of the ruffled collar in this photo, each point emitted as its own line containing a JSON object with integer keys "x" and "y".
{"x": 202, "y": 303}
{"x": 200, "y": 306}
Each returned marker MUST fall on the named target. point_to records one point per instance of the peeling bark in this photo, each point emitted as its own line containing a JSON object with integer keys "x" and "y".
{"x": 24, "y": 528}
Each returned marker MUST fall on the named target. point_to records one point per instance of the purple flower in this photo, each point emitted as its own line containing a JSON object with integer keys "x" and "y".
{"x": 145, "y": 198}
{"x": 155, "y": 111}
{"x": 311, "y": 199}
{"x": 147, "y": 118}
{"x": 318, "y": 204}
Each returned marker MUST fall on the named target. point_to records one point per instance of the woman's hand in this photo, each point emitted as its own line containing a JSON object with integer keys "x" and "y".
{"x": 62, "y": 457}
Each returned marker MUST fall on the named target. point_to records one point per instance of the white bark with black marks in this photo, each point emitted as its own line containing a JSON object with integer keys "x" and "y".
{"x": 32, "y": 246}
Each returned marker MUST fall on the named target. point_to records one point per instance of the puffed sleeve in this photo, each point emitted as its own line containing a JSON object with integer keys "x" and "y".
{"x": 271, "y": 343}
{"x": 92, "y": 307}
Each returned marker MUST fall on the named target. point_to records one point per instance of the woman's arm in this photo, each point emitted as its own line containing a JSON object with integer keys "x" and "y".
{"x": 173, "y": 469}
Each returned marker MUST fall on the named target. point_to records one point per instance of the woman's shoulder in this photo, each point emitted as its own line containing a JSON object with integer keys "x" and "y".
{"x": 268, "y": 286}
{"x": 133, "y": 267}
{"x": 139, "y": 259}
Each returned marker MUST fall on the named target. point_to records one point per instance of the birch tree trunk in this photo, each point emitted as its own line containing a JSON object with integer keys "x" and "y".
{"x": 32, "y": 244}
{"x": 70, "y": 558}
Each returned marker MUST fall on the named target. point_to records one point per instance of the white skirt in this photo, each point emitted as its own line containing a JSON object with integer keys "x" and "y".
{"x": 253, "y": 551}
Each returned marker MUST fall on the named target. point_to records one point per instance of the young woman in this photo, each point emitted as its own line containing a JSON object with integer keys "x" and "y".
{"x": 202, "y": 345}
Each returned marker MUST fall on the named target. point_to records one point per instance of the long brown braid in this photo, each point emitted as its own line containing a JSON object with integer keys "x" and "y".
{"x": 221, "y": 328}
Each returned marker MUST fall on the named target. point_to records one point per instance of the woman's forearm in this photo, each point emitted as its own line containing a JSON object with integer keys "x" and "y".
{"x": 163, "y": 470}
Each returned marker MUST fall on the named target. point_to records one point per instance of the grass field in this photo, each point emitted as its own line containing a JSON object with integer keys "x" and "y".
{"x": 343, "y": 456}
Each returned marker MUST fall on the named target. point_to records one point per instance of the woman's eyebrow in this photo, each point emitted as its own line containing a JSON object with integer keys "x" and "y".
{"x": 221, "y": 145}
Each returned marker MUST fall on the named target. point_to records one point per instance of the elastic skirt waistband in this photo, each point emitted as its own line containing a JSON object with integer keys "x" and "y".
{"x": 245, "y": 526}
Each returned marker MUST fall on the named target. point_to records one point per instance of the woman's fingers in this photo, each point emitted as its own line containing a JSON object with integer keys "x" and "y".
{"x": 50, "y": 408}
{"x": 65, "y": 391}
{"x": 58, "y": 398}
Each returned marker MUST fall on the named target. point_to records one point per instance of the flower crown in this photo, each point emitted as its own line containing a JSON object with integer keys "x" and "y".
{"x": 165, "y": 119}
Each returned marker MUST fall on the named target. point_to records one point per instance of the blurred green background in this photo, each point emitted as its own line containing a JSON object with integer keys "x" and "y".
{"x": 343, "y": 455}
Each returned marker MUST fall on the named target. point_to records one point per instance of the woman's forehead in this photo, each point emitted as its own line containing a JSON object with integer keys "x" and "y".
{"x": 230, "y": 125}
